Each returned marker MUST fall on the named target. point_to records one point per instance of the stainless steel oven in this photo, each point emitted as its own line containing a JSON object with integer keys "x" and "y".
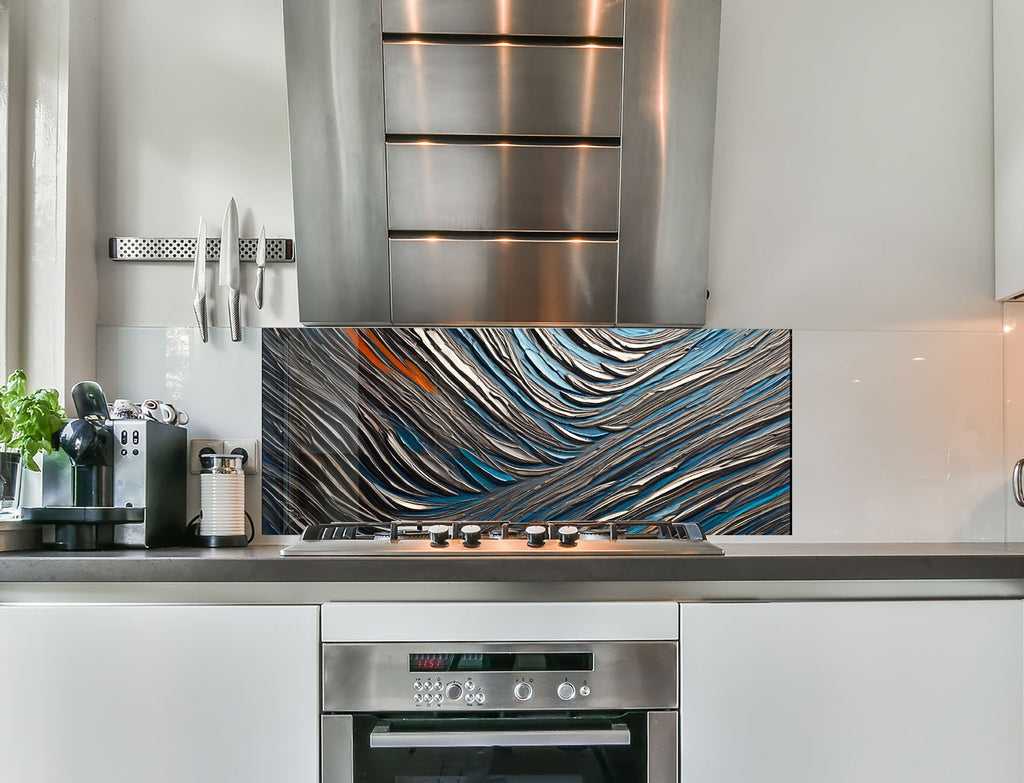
{"x": 520, "y": 712}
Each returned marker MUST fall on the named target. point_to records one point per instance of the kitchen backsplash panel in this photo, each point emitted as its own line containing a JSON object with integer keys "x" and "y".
{"x": 527, "y": 424}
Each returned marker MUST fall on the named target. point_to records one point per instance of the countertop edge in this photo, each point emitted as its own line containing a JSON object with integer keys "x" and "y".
{"x": 741, "y": 563}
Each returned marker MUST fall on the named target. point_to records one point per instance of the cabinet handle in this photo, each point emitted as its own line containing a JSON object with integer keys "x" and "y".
{"x": 1018, "y": 488}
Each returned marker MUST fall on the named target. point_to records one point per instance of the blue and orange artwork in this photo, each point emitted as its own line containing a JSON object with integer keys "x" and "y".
{"x": 527, "y": 424}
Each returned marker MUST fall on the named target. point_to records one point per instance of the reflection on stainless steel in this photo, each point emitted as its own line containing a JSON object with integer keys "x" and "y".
{"x": 336, "y": 748}
{"x": 662, "y": 732}
{"x": 336, "y": 121}
{"x": 502, "y": 187}
{"x": 498, "y": 89}
{"x": 593, "y": 18}
{"x": 668, "y": 128}
{"x": 463, "y": 281}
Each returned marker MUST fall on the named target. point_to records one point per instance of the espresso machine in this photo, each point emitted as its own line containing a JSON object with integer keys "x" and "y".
{"x": 112, "y": 483}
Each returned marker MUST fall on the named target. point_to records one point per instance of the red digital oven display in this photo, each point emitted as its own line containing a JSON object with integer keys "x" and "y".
{"x": 431, "y": 662}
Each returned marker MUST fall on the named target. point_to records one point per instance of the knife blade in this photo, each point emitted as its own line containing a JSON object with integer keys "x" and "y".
{"x": 199, "y": 282}
{"x": 229, "y": 274}
{"x": 261, "y": 262}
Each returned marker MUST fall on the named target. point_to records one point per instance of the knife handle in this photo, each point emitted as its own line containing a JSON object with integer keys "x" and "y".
{"x": 258, "y": 294}
{"x": 199, "y": 306}
{"x": 234, "y": 317}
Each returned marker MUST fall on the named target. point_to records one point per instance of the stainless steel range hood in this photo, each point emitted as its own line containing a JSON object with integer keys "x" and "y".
{"x": 502, "y": 161}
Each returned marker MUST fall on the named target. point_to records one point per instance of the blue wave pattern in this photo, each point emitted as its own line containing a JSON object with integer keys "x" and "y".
{"x": 527, "y": 424}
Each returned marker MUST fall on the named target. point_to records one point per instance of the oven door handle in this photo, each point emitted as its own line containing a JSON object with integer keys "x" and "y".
{"x": 382, "y": 737}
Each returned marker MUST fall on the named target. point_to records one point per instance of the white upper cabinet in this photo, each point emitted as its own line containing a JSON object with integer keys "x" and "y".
{"x": 1008, "y": 130}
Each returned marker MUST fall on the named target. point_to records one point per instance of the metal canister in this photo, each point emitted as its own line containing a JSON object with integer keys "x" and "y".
{"x": 222, "y": 498}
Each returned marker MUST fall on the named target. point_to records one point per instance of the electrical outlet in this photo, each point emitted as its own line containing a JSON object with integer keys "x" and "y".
{"x": 248, "y": 448}
{"x": 199, "y": 446}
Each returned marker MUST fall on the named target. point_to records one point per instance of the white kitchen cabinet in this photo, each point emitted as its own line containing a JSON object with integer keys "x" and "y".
{"x": 850, "y": 692}
{"x": 159, "y": 694}
{"x": 1008, "y": 151}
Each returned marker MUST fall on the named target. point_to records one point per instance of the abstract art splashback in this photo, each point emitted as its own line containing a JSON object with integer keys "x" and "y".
{"x": 527, "y": 424}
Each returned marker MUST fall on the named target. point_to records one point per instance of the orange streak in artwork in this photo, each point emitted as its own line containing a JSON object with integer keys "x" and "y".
{"x": 408, "y": 370}
{"x": 364, "y": 349}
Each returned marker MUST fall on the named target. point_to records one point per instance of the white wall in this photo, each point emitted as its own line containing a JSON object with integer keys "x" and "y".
{"x": 194, "y": 112}
{"x": 852, "y": 203}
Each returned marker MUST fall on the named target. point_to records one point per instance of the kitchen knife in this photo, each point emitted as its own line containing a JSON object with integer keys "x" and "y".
{"x": 229, "y": 275}
{"x": 261, "y": 262}
{"x": 199, "y": 282}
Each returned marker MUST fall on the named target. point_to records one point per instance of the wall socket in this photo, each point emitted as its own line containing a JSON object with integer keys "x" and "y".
{"x": 249, "y": 447}
{"x": 199, "y": 446}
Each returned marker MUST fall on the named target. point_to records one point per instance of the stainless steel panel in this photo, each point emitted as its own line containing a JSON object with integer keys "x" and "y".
{"x": 662, "y": 747}
{"x": 502, "y": 187}
{"x": 598, "y": 18}
{"x": 336, "y": 120}
{"x": 669, "y": 91}
{"x": 502, "y": 89}
{"x": 376, "y": 677}
{"x": 336, "y": 749}
{"x": 505, "y": 548}
{"x": 520, "y": 281}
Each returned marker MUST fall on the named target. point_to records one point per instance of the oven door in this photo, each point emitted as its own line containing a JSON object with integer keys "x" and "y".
{"x": 633, "y": 747}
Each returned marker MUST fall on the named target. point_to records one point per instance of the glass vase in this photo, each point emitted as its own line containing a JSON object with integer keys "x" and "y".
{"x": 11, "y": 470}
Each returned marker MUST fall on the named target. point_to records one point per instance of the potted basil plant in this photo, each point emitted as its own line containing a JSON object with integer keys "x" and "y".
{"x": 28, "y": 423}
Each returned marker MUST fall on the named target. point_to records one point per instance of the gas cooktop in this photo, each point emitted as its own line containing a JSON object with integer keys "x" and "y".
{"x": 467, "y": 539}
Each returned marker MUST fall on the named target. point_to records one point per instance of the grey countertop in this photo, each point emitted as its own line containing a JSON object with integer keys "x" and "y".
{"x": 742, "y": 562}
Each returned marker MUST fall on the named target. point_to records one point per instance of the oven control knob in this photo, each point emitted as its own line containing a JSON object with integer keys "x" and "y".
{"x": 568, "y": 535}
{"x": 453, "y": 691}
{"x": 522, "y": 691}
{"x": 566, "y": 691}
{"x": 535, "y": 535}
{"x": 438, "y": 535}
{"x": 471, "y": 535}
{"x": 584, "y": 690}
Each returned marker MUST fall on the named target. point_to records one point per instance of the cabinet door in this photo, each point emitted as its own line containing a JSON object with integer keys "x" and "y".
{"x": 1008, "y": 150}
{"x": 858, "y": 692}
{"x": 159, "y": 694}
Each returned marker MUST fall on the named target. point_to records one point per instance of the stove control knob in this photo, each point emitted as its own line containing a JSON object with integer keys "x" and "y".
{"x": 438, "y": 535}
{"x": 522, "y": 691}
{"x": 471, "y": 535}
{"x": 535, "y": 535}
{"x": 566, "y": 691}
{"x": 453, "y": 691}
{"x": 568, "y": 535}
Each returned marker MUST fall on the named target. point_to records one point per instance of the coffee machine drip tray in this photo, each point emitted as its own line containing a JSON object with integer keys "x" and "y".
{"x": 83, "y": 527}
{"x": 88, "y": 515}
